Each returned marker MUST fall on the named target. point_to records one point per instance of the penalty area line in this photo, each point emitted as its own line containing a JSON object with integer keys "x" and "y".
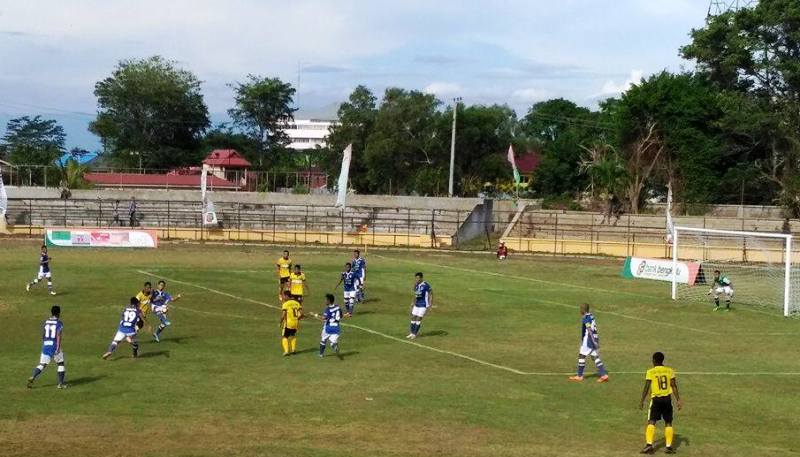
{"x": 451, "y": 353}
{"x": 363, "y": 329}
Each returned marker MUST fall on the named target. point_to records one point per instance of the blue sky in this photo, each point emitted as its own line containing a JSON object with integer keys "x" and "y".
{"x": 513, "y": 52}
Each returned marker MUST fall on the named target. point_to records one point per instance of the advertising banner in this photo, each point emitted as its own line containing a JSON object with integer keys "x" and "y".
{"x": 101, "y": 238}
{"x": 660, "y": 270}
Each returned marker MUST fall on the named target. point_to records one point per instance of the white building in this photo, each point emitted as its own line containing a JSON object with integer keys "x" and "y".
{"x": 307, "y": 133}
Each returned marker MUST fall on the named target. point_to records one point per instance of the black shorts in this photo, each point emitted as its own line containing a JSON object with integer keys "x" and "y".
{"x": 297, "y": 298}
{"x": 284, "y": 280}
{"x": 661, "y": 408}
{"x": 289, "y": 332}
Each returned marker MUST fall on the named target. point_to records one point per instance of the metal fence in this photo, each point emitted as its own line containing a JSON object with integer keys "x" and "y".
{"x": 261, "y": 181}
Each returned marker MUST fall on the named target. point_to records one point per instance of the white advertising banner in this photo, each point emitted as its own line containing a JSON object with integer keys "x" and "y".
{"x": 660, "y": 270}
{"x": 101, "y": 238}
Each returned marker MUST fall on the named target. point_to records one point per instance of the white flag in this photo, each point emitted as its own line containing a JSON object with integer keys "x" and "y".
{"x": 3, "y": 196}
{"x": 343, "y": 176}
{"x": 209, "y": 212}
{"x": 670, "y": 227}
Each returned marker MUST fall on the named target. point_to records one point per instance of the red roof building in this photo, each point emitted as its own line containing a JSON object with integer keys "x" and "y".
{"x": 226, "y": 158}
{"x": 528, "y": 163}
{"x": 163, "y": 181}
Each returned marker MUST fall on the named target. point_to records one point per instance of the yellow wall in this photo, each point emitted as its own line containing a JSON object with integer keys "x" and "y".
{"x": 269, "y": 236}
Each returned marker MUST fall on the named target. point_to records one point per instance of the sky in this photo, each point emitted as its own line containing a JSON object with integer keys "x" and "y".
{"x": 515, "y": 52}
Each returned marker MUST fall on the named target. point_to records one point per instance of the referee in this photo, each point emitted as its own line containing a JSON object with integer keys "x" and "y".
{"x": 661, "y": 384}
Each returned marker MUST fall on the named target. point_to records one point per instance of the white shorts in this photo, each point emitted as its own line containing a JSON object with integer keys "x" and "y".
{"x": 44, "y": 359}
{"x": 502, "y": 257}
{"x": 332, "y": 337}
{"x": 42, "y": 274}
{"x": 159, "y": 309}
{"x": 586, "y": 350}
{"x": 419, "y": 311}
{"x": 727, "y": 290}
{"x": 121, "y": 336}
{"x": 349, "y": 295}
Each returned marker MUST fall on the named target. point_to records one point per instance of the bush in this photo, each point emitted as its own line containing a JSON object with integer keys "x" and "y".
{"x": 562, "y": 202}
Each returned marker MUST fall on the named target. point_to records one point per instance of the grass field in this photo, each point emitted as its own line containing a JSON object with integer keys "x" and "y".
{"x": 487, "y": 377}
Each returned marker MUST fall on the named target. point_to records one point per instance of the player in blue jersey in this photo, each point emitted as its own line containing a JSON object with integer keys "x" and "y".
{"x": 159, "y": 303}
{"x": 590, "y": 345}
{"x": 350, "y": 281}
{"x": 423, "y": 299}
{"x": 331, "y": 327}
{"x": 44, "y": 272}
{"x": 360, "y": 268}
{"x": 51, "y": 348}
{"x": 126, "y": 330}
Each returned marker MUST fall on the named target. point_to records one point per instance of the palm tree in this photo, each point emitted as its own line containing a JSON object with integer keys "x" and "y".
{"x": 72, "y": 175}
{"x": 607, "y": 174}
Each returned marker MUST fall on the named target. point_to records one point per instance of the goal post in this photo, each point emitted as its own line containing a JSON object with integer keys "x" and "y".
{"x": 759, "y": 264}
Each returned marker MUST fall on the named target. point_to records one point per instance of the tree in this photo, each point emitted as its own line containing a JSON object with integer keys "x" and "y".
{"x": 560, "y": 128}
{"x": 682, "y": 112}
{"x": 151, "y": 111}
{"x": 406, "y": 140}
{"x": 607, "y": 173}
{"x": 34, "y": 141}
{"x": 752, "y": 54}
{"x": 263, "y": 110}
{"x": 224, "y": 137}
{"x": 355, "y": 122}
{"x": 482, "y": 138}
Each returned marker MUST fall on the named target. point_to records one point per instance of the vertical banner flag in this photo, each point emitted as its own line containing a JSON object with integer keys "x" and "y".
{"x": 209, "y": 213}
{"x": 343, "y": 176}
{"x": 513, "y": 164}
{"x": 670, "y": 227}
{"x": 3, "y": 196}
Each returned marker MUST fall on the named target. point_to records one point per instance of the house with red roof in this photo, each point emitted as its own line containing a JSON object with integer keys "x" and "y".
{"x": 527, "y": 164}
{"x": 227, "y": 171}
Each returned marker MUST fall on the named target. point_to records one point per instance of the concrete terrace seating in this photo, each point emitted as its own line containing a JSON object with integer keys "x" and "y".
{"x": 163, "y": 214}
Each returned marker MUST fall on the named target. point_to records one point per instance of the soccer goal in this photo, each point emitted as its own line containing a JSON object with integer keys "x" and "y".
{"x": 758, "y": 265}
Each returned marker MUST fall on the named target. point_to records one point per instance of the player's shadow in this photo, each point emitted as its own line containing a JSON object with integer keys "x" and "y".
{"x": 344, "y": 355}
{"x": 147, "y": 355}
{"x": 177, "y": 339}
{"x": 371, "y": 300}
{"x": 433, "y": 333}
{"x": 677, "y": 442}
{"x": 84, "y": 380}
{"x": 358, "y": 312}
{"x": 306, "y": 351}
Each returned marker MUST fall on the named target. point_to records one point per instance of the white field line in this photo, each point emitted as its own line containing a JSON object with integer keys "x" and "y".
{"x": 522, "y": 278}
{"x": 451, "y": 353}
{"x": 565, "y": 305}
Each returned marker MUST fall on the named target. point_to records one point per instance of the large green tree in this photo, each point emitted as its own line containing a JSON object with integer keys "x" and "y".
{"x": 668, "y": 131}
{"x": 483, "y": 134}
{"x": 355, "y": 121}
{"x": 407, "y": 147}
{"x": 263, "y": 109}
{"x": 561, "y": 128}
{"x": 150, "y": 110}
{"x": 754, "y": 55}
{"x": 34, "y": 141}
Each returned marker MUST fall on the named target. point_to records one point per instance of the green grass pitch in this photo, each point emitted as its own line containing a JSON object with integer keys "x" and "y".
{"x": 487, "y": 377}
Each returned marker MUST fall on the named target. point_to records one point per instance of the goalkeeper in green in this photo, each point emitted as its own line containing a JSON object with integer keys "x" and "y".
{"x": 721, "y": 286}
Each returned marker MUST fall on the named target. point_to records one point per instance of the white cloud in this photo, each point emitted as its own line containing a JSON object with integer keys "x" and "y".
{"x": 530, "y": 95}
{"x": 611, "y": 88}
{"x": 442, "y": 89}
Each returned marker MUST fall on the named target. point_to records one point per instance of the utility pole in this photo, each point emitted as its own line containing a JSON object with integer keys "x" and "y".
{"x": 456, "y": 101}
{"x": 717, "y": 7}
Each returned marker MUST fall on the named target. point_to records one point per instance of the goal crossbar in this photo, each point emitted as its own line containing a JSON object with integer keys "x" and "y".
{"x": 787, "y": 256}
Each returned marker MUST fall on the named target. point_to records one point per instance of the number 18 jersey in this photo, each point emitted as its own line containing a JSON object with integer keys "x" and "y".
{"x": 660, "y": 377}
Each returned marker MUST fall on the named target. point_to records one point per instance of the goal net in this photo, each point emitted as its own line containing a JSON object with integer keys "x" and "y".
{"x": 758, "y": 265}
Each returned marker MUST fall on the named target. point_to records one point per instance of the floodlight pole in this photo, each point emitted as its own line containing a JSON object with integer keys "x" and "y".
{"x": 457, "y": 100}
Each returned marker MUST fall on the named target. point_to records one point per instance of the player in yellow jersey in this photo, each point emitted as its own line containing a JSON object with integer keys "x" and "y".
{"x": 144, "y": 304}
{"x": 291, "y": 313}
{"x": 297, "y": 284}
{"x": 284, "y": 269}
{"x": 661, "y": 384}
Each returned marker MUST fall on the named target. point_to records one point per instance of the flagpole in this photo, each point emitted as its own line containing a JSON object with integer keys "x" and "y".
{"x": 453, "y": 146}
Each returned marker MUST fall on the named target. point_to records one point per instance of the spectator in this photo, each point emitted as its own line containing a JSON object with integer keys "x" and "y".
{"x": 132, "y": 212}
{"x": 502, "y": 251}
{"x": 116, "y": 220}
